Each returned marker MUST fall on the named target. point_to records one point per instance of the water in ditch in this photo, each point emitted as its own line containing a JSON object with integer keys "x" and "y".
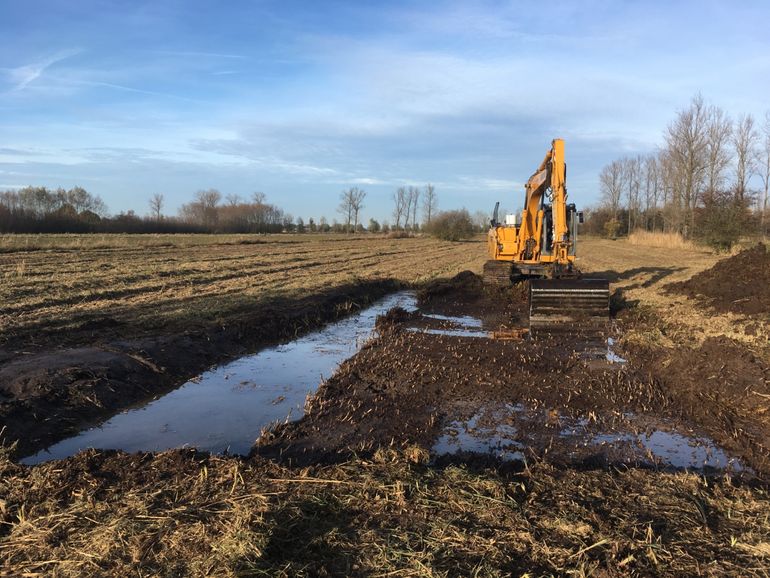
{"x": 226, "y": 408}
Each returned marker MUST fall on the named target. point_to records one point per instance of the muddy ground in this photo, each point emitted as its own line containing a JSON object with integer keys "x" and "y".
{"x": 369, "y": 482}
{"x": 353, "y": 489}
{"x": 740, "y": 284}
{"x": 51, "y": 392}
{"x": 549, "y": 396}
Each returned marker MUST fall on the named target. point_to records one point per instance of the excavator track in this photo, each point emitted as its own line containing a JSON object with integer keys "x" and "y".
{"x": 560, "y": 302}
{"x": 498, "y": 273}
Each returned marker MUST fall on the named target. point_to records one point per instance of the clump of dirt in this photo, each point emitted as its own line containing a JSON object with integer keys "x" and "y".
{"x": 739, "y": 284}
{"x": 466, "y": 294}
{"x": 394, "y": 317}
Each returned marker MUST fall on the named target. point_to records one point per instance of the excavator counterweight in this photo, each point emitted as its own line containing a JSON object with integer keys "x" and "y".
{"x": 541, "y": 247}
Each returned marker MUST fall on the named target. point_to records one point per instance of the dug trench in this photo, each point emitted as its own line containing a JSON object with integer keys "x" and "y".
{"x": 352, "y": 488}
{"x": 432, "y": 381}
{"x": 54, "y": 386}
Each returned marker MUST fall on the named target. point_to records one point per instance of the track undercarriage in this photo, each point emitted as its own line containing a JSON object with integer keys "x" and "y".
{"x": 567, "y": 299}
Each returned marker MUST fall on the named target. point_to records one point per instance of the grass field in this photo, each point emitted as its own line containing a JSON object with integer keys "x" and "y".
{"x": 167, "y": 283}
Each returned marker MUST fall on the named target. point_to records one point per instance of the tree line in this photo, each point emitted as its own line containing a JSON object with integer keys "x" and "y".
{"x": 42, "y": 210}
{"x": 700, "y": 183}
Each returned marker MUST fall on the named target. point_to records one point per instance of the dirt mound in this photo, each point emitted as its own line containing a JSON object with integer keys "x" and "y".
{"x": 394, "y": 317}
{"x": 740, "y": 284}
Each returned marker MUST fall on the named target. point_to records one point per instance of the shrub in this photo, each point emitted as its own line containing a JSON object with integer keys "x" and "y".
{"x": 451, "y": 225}
{"x": 722, "y": 220}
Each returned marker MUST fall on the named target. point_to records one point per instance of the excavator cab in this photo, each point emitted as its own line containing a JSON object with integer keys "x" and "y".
{"x": 541, "y": 248}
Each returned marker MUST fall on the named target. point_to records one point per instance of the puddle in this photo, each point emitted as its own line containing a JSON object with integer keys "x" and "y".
{"x": 670, "y": 448}
{"x": 225, "y": 409}
{"x": 474, "y": 437}
{"x": 454, "y": 326}
{"x": 508, "y": 432}
{"x": 462, "y": 320}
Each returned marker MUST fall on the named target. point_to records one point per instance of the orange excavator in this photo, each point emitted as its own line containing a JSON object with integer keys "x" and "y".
{"x": 541, "y": 248}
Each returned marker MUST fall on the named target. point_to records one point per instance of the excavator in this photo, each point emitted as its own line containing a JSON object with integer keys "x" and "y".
{"x": 541, "y": 249}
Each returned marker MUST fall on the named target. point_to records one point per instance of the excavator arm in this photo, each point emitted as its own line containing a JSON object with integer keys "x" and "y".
{"x": 551, "y": 174}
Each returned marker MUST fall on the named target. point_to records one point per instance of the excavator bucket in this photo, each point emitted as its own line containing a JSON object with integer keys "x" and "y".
{"x": 555, "y": 303}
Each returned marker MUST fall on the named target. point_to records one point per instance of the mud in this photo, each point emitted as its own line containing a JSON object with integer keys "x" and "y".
{"x": 423, "y": 377}
{"x": 224, "y": 409}
{"x": 739, "y": 284}
{"x": 50, "y": 393}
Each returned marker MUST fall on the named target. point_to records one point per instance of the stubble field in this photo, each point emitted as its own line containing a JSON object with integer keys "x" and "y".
{"x": 358, "y": 486}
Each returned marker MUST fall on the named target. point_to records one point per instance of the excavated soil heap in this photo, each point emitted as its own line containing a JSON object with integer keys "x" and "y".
{"x": 740, "y": 284}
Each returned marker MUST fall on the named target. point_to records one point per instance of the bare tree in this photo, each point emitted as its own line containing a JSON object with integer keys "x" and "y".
{"x": 764, "y": 169}
{"x": 347, "y": 200}
{"x": 233, "y": 200}
{"x": 408, "y": 198}
{"x": 358, "y": 196}
{"x": 651, "y": 176}
{"x": 156, "y": 206}
{"x": 258, "y": 197}
{"x": 611, "y": 183}
{"x": 429, "y": 203}
{"x": 745, "y": 142}
{"x": 399, "y": 199}
{"x": 719, "y": 133}
{"x": 687, "y": 147}
{"x": 208, "y": 201}
{"x": 632, "y": 177}
{"x": 414, "y": 196}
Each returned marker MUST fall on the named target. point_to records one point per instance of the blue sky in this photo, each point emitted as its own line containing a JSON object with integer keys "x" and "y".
{"x": 302, "y": 99}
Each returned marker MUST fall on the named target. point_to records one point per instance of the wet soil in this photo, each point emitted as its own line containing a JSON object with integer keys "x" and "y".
{"x": 423, "y": 377}
{"x": 49, "y": 393}
{"x": 738, "y": 284}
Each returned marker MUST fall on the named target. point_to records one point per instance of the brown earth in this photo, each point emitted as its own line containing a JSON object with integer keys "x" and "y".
{"x": 48, "y": 395}
{"x": 406, "y": 386}
{"x": 352, "y": 492}
{"x": 739, "y": 284}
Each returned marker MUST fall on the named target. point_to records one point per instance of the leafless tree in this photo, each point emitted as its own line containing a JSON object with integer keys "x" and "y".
{"x": 233, "y": 200}
{"x": 719, "y": 133}
{"x": 351, "y": 203}
{"x": 408, "y": 197}
{"x": 651, "y": 177}
{"x": 632, "y": 178}
{"x": 258, "y": 197}
{"x": 414, "y": 196}
{"x": 399, "y": 199}
{"x": 346, "y": 207}
{"x": 429, "y": 202}
{"x": 687, "y": 147}
{"x": 358, "y": 203}
{"x": 764, "y": 169}
{"x": 611, "y": 184}
{"x": 745, "y": 140}
{"x": 207, "y": 202}
{"x": 156, "y": 206}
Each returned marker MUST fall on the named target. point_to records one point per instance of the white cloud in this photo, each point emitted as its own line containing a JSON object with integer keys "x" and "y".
{"x": 23, "y": 76}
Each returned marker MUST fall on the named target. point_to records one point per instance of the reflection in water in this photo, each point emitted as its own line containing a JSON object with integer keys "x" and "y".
{"x": 226, "y": 408}
{"x": 504, "y": 432}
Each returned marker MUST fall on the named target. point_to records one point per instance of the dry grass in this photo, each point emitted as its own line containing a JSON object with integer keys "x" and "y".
{"x": 186, "y": 514}
{"x": 641, "y": 272}
{"x": 673, "y": 241}
{"x": 168, "y": 282}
